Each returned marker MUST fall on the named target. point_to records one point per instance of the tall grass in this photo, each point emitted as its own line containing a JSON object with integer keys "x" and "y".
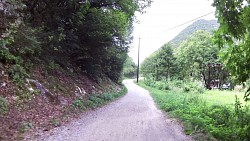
{"x": 218, "y": 115}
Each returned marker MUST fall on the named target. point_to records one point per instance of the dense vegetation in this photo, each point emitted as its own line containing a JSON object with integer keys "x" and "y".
{"x": 196, "y": 58}
{"x": 129, "y": 68}
{"x": 94, "y": 35}
{"x": 233, "y": 37}
{"x": 206, "y": 115}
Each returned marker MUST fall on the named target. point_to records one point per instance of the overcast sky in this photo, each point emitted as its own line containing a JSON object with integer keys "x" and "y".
{"x": 163, "y": 15}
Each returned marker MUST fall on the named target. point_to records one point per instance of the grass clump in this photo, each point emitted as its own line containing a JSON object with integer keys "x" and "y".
{"x": 3, "y": 106}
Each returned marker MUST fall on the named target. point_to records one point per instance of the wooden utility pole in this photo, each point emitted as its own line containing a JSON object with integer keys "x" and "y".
{"x": 138, "y": 66}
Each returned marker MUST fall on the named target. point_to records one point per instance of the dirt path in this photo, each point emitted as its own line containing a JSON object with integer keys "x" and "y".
{"x": 134, "y": 117}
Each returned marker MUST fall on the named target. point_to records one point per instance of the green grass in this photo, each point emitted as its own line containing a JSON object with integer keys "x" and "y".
{"x": 210, "y": 113}
{"x": 226, "y": 98}
{"x": 97, "y": 100}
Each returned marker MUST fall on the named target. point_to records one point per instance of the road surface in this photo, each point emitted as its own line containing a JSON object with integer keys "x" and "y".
{"x": 133, "y": 117}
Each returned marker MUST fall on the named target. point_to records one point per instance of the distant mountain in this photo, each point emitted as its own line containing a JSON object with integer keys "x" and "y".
{"x": 207, "y": 25}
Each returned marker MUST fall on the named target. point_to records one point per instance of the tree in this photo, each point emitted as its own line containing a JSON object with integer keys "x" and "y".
{"x": 233, "y": 37}
{"x": 197, "y": 58}
{"x": 160, "y": 64}
{"x": 129, "y": 68}
{"x": 92, "y": 34}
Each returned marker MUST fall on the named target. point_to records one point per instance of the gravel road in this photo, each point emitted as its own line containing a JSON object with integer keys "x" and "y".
{"x": 133, "y": 117}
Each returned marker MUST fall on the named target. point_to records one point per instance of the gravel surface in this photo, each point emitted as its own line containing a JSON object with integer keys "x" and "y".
{"x": 133, "y": 117}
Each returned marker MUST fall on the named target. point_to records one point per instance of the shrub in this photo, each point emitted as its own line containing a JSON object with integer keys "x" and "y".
{"x": 7, "y": 57}
{"x": 78, "y": 104}
{"x": 149, "y": 80}
{"x": 106, "y": 96}
{"x": 17, "y": 73}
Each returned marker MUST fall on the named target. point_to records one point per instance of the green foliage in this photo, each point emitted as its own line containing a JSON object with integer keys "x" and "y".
{"x": 92, "y": 35}
{"x": 187, "y": 61}
{"x": 233, "y": 37}
{"x": 200, "y": 114}
{"x": 96, "y": 100}
{"x": 17, "y": 73}
{"x": 129, "y": 68}
{"x": 26, "y": 43}
{"x": 160, "y": 64}
{"x": 78, "y": 104}
{"x": 194, "y": 52}
{"x": 168, "y": 85}
{"x": 24, "y": 126}
{"x": 3, "y": 106}
{"x": 7, "y": 57}
{"x": 52, "y": 67}
{"x": 149, "y": 80}
{"x": 191, "y": 87}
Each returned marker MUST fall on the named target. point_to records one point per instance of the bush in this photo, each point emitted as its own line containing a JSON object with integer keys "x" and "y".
{"x": 106, "y": 96}
{"x": 191, "y": 86}
{"x": 78, "y": 104}
{"x": 17, "y": 73}
{"x": 7, "y": 57}
{"x": 177, "y": 83}
{"x": 149, "y": 80}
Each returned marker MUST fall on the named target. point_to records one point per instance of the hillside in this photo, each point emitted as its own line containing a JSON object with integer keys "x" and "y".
{"x": 60, "y": 58}
{"x": 207, "y": 25}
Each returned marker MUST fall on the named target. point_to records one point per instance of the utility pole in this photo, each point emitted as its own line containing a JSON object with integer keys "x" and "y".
{"x": 138, "y": 66}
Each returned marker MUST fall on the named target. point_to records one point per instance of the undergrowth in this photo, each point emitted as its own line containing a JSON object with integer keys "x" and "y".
{"x": 188, "y": 102}
{"x": 96, "y": 100}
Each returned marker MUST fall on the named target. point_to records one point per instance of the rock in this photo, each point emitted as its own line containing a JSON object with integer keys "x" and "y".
{"x": 3, "y": 85}
{"x": 30, "y": 89}
{"x": 64, "y": 102}
{"x": 15, "y": 98}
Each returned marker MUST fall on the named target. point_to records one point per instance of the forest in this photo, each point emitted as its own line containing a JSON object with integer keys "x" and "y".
{"x": 93, "y": 35}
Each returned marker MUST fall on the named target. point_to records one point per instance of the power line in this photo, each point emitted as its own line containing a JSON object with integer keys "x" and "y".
{"x": 188, "y": 22}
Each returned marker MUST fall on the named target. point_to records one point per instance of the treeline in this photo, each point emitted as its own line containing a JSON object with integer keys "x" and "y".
{"x": 196, "y": 58}
{"x": 94, "y": 35}
{"x": 129, "y": 68}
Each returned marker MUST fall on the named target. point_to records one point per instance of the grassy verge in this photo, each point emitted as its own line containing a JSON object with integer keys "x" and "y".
{"x": 97, "y": 100}
{"x": 215, "y": 114}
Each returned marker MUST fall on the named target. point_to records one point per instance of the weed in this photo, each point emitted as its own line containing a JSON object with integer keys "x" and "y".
{"x": 25, "y": 126}
{"x": 78, "y": 104}
{"x": 3, "y": 106}
{"x": 17, "y": 73}
{"x": 7, "y": 57}
{"x": 55, "y": 122}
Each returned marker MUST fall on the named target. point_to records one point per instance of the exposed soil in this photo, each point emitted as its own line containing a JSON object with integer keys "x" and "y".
{"x": 32, "y": 111}
{"x": 133, "y": 117}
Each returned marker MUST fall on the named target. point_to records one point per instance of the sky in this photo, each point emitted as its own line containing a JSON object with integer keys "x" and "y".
{"x": 153, "y": 25}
